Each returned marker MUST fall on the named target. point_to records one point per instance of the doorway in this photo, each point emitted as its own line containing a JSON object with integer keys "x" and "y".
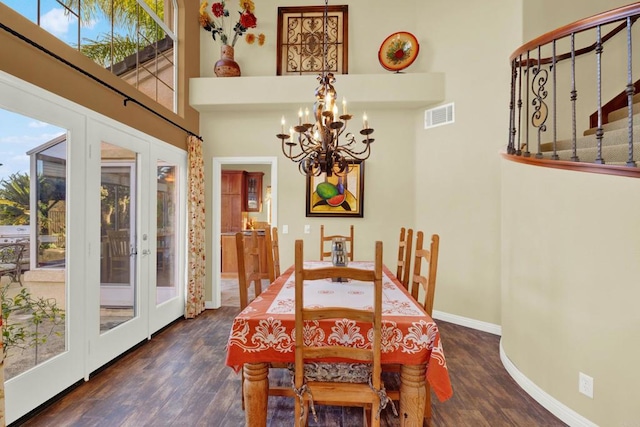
{"x": 219, "y": 163}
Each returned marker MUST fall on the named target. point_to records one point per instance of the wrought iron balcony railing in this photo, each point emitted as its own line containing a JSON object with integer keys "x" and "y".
{"x": 559, "y": 80}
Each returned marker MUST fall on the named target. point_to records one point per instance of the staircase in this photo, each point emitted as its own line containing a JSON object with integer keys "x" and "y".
{"x": 615, "y": 140}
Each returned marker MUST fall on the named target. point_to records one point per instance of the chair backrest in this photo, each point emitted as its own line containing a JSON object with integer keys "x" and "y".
{"x": 275, "y": 246}
{"x": 119, "y": 243}
{"x": 404, "y": 256}
{"x": 305, "y": 350}
{"x": 426, "y": 282}
{"x": 248, "y": 255}
{"x": 271, "y": 255}
{"x": 10, "y": 260}
{"x": 324, "y": 239}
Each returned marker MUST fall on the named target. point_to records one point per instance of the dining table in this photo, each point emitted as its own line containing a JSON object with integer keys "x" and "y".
{"x": 263, "y": 334}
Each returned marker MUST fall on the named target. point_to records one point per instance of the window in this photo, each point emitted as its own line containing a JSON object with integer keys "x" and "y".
{"x": 134, "y": 39}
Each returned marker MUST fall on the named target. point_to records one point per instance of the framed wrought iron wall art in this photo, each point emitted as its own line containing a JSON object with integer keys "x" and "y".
{"x": 301, "y": 35}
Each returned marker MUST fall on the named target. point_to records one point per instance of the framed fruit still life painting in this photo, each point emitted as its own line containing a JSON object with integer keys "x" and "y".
{"x": 337, "y": 195}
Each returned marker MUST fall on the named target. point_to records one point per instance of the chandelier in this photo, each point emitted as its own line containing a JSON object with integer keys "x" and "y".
{"x": 316, "y": 147}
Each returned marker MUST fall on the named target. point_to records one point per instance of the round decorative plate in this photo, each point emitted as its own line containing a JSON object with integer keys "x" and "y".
{"x": 398, "y": 51}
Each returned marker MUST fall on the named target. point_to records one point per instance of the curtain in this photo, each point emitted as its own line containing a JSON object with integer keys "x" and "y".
{"x": 196, "y": 253}
{"x": 2, "y": 419}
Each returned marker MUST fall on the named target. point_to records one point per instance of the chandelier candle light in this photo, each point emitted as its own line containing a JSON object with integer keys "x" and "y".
{"x": 316, "y": 146}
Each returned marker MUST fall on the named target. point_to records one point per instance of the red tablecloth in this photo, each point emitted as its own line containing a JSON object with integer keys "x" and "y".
{"x": 263, "y": 331}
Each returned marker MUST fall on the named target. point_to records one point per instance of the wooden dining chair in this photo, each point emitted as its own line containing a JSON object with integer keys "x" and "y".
{"x": 249, "y": 271}
{"x": 317, "y": 377}
{"x": 423, "y": 286}
{"x": 248, "y": 258}
{"x": 11, "y": 261}
{"x": 404, "y": 256}
{"x": 324, "y": 239}
{"x": 119, "y": 254}
{"x": 276, "y": 251}
{"x": 273, "y": 253}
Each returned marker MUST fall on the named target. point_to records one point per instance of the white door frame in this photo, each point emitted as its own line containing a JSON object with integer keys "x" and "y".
{"x": 216, "y": 297}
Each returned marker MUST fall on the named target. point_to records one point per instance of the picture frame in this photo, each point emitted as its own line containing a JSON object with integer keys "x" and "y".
{"x": 323, "y": 193}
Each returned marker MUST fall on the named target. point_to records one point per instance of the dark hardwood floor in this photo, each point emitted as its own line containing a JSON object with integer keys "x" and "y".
{"x": 179, "y": 378}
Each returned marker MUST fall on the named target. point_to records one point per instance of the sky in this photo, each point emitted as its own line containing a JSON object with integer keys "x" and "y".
{"x": 54, "y": 20}
{"x": 19, "y": 134}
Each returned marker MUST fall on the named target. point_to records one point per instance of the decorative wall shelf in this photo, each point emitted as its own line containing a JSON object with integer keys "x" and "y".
{"x": 369, "y": 91}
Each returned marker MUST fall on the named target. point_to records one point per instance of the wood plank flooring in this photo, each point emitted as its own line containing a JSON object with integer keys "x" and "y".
{"x": 179, "y": 378}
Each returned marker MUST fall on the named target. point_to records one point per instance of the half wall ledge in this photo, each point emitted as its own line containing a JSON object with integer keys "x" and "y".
{"x": 369, "y": 91}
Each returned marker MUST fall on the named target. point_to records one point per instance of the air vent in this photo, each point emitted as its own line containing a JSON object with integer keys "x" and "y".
{"x": 439, "y": 116}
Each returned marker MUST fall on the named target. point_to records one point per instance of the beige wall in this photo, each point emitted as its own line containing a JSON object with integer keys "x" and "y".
{"x": 571, "y": 246}
{"x": 542, "y": 16}
{"x": 388, "y": 180}
{"x": 457, "y": 170}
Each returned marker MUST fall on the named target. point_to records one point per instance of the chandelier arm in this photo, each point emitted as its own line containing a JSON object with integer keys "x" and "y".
{"x": 308, "y": 141}
{"x": 354, "y": 153}
{"x": 290, "y": 154}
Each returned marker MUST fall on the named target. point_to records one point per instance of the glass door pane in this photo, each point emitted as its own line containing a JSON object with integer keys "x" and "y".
{"x": 33, "y": 181}
{"x": 117, "y": 236}
{"x": 166, "y": 221}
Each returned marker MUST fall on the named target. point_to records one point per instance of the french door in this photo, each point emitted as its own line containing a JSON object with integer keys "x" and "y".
{"x": 134, "y": 212}
{"x": 106, "y": 239}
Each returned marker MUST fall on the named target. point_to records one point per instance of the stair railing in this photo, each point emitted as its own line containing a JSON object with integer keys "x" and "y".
{"x": 551, "y": 92}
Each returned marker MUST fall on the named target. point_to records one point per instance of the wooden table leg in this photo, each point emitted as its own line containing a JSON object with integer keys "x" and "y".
{"x": 256, "y": 393}
{"x": 412, "y": 395}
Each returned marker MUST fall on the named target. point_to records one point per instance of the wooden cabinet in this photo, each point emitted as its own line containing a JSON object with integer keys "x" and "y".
{"x": 232, "y": 182}
{"x": 233, "y": 201}
{"x": 253, "y": 186}
{"x": 241, "y": 192}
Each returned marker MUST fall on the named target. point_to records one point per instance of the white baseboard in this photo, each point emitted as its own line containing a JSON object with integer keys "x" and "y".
{"x": 469, "y": 323}
{"x": 554, "y": 406}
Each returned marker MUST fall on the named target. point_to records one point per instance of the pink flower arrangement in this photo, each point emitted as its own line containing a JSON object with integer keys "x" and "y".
{"x": 216, "y": 23}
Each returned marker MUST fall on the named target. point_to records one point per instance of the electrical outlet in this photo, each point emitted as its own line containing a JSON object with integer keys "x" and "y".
{"x": 585, "y": 385}
{"x": 285, "y": 229}
{"x": 307, "y": 229}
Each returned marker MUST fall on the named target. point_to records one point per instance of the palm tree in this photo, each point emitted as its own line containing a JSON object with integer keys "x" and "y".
{"x": 110, "y": 48}
{"x": 15, "y": 199}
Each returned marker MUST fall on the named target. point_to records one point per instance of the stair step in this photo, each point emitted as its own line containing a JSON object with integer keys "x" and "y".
{"x": 611, "y": 154}
{"x": 610, "y": 137}
{"x": 618, "y": 124}
{"x": 621, "y": 114}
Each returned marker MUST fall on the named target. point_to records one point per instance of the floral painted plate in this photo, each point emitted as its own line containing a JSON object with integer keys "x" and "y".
{"x": 398, "y": 51}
